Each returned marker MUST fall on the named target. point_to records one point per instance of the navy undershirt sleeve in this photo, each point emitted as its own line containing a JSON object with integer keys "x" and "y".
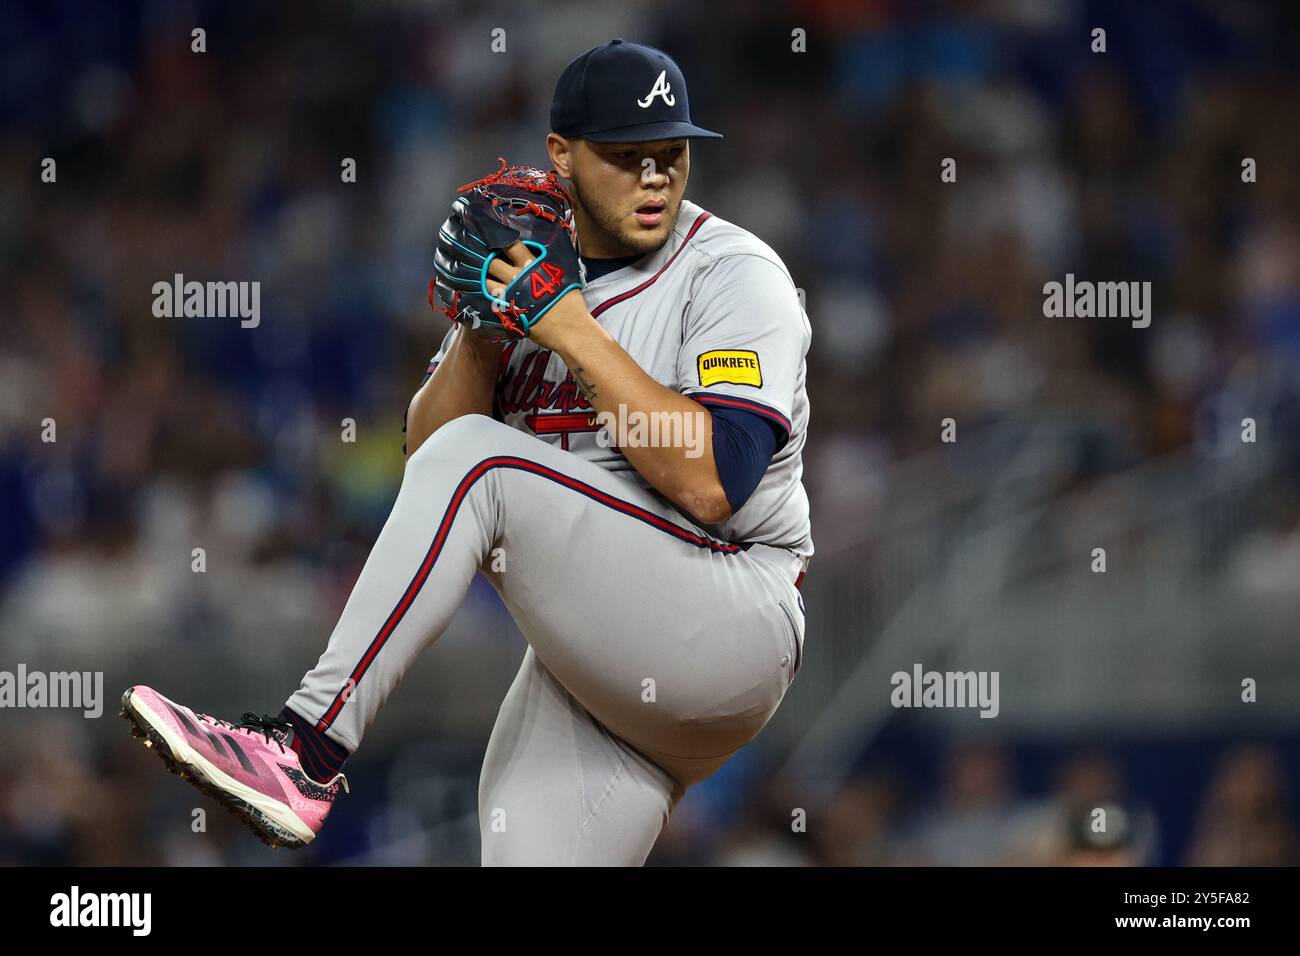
{"x": 743, "y": 446}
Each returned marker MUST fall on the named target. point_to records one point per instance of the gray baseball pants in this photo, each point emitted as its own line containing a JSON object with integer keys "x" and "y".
{"x": 655, "y": 651}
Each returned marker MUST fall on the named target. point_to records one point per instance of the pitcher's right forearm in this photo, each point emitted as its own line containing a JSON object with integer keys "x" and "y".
{"x": 464, "y": 383}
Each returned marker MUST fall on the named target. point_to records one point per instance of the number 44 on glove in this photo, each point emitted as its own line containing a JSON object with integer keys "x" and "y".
{"x": 514, "y": 204}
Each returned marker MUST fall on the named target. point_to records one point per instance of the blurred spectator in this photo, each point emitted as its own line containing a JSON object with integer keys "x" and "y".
{"x": 1245, "y": 819}
{"x": 859, "y": 823}
{"x": 974, "y": 819}
{"x": 1089, "y": 820}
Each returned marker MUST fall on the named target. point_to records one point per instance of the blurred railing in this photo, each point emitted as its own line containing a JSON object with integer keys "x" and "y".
{"x": 984, "y": 560}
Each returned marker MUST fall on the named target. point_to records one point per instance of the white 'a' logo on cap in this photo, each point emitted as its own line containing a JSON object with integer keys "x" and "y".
{"x": 661, "y": 88}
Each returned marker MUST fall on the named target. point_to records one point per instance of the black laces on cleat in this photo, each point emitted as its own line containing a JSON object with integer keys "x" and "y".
{"x": 275, "y": 729}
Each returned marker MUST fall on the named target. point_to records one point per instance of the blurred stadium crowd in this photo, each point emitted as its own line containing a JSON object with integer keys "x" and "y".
{"x": 65, "y": 805}
{"x": 925, "y": 300}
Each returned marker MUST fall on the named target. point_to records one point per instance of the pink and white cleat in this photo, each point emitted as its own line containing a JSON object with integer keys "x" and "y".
{"x": 248, "y": 767}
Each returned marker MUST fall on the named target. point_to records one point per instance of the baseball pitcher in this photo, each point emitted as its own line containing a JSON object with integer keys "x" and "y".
{"x": 622, "y": 393}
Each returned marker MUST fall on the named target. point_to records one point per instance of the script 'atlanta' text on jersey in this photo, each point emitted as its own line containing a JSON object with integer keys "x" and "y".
{"x": 714, "y": 314}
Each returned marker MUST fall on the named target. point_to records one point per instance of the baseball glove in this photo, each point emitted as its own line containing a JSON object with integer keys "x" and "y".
{"x": 514, "y": 204}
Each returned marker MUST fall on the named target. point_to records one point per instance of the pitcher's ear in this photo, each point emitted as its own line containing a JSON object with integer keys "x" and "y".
{"x": 561, "y": 153}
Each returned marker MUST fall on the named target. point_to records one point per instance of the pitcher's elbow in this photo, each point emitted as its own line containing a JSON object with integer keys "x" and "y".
{"x": 707, "y": 506}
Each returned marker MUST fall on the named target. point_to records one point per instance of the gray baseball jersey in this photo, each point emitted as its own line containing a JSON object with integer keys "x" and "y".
{"x": 713, "y": 314}
{"x": 657, "y": 648}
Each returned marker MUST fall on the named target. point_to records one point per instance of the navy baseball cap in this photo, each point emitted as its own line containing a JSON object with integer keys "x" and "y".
{"x": 623, "y": 93}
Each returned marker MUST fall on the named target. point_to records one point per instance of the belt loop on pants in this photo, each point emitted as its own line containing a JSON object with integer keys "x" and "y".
{"x": 806, "y": 562}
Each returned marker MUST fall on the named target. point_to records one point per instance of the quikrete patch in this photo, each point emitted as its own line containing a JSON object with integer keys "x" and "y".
{"x": 737, "y": 366}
